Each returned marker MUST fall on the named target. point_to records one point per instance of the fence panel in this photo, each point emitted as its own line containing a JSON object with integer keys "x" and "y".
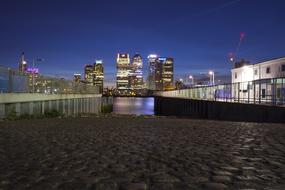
{"x": 264, "y": 91}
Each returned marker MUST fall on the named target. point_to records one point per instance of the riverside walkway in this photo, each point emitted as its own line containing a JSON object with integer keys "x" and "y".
{"x": 114, "y": 152}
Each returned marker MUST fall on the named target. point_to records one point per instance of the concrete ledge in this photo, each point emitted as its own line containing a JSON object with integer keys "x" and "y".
{"x": 14, "y": 105}
{"x": 29, "y": 97}
{"x": 218, "y": 110}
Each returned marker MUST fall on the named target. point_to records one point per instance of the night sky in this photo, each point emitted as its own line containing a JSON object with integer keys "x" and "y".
{"x": 198, "y": 34}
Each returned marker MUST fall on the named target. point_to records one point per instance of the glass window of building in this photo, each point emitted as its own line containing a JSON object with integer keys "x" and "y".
{"x": 235, "y": 75}
{"x": 283, "y": 67}
{"x": 255, "y": 72}
{"x": 263, "y": 93}
{"x": 267, "y": 70}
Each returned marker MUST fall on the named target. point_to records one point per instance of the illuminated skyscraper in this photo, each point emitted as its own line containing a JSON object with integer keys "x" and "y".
{"x": 123, "y": 71}
{"x": 88, "y": 74}
{"x": 151, "y": 71}
{"x": 160, "y": 73}
{"x": 167, "y": 74}
{"x": 23, "y": 64}
{"x": 136, "y": 75}
{"x": 159, "y": 62}
{"x": 98, "y": 74}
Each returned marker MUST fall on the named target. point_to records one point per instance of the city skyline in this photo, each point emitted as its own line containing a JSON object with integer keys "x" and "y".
{"x": 198, "y": 35}
{"x": 142, "y": 94}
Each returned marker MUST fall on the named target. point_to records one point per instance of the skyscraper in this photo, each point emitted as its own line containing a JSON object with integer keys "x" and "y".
{"x": 123, "y": 71}
{"x": 159, "y": 62}
{"x": 167, "y": 74}
{"x": 88, "y": 74}
{"x": 136, "y": 75}
{"x": 22, "y": 64}
{"x": 151, "y": 71}
{"x": 98, "y": 74}
{"x": 160, "y": 73}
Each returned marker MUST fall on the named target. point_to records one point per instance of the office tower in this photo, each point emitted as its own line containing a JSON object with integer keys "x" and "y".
{"x": 167, "y": 74}
{"x": 159, "y": 62}
{"x": 76, "y": 78}
{"x": 136, "y": 75}
{"x": 22, "y": 64}
{"x": 98, "y": 74}
{"x": 88, "y": 74}
{"x": 33, "y": 74}
{"x": 151, "y": 71}
{"x": 123, "y": 71}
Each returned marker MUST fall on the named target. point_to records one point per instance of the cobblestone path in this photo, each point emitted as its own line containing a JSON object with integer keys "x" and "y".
{"x": 136, "y": 153}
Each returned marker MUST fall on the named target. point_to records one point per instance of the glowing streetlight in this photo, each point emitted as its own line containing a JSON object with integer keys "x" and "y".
{"x": 192, "y": 79}
{"x": 212, "y": 77}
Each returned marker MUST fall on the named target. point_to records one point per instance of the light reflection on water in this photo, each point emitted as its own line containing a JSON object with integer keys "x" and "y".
{"x": 133, "y": 105}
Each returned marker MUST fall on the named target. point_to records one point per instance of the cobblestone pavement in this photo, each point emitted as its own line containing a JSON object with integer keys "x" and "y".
{"x": 136, "y": 153}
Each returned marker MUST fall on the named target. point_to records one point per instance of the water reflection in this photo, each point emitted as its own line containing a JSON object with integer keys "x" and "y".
{"x": 132, "y": 105}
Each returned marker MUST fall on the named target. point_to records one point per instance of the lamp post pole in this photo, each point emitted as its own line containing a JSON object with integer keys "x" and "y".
{"x": 212, "y": 77}
{"x": 192, "y": 80}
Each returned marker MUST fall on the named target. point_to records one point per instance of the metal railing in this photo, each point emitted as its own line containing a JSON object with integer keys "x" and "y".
{"x": 12, "y": 81}
{"x": 265, "y": 91}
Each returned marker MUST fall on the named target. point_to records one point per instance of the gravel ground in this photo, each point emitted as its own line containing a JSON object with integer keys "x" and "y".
{"x": 136, "y": 153}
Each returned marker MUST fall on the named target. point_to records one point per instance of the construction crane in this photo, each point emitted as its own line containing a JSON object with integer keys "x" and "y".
{"x": 233, "y": 55}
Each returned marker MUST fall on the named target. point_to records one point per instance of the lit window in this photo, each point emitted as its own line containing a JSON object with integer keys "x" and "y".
{"x": 268, "y": 70}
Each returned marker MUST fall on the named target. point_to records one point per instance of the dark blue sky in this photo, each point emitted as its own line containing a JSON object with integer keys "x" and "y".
{"x": 198, "y": 34}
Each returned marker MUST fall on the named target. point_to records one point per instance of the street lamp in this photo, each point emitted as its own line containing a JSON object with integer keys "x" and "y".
{"x": 192, "y": 79}
{"x": 212, "y": 77}
{"x": 33, "y": 71}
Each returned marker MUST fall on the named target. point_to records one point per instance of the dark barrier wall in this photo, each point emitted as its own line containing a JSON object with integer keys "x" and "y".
{"x": 218, "y": 110}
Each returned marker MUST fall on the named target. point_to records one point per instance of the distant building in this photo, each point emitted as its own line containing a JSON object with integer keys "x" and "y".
{"x": 123, "y": 71}
{"x": 31, "y": 73}
{"x": 162, "y": 68}
{"x": 98, "y": 74}
{"x": 88, "y": 74}
{"x": 158, "y": 73}
{"x": 151, "y": 71}
{"x": 136, "y": 75}
{"x": 244, "y": 72}
{"x": 23, "y": 64}
{"x": 167, "y": 74}
{"x": 76, "y": 78}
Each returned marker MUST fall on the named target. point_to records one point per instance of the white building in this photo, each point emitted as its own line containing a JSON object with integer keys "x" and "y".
{"x": 259, "y": 82}
{"x": 264, "y": 70}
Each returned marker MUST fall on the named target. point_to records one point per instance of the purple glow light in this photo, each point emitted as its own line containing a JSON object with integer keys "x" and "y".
{"x": 33, "y": 70}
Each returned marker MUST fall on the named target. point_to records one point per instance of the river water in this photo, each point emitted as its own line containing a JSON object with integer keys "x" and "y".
{"x": 133, "y": 105}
